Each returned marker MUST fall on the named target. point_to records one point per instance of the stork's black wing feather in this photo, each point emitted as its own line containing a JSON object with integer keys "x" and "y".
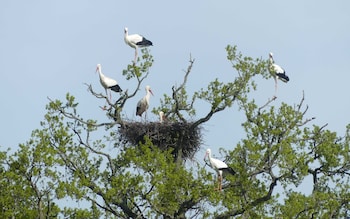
{"x": 283, "y": 77}
{"x": 145, "y": 42}
{"x": 116, "y": 88}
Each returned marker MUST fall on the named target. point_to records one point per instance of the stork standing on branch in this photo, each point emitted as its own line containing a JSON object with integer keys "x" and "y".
{"x": 108, "y": 83}
{"x": 143, "y": 104}
{"x": 277, "y": 72}
{"x": 135, "y": 41}
{"x": 219, "y": 166}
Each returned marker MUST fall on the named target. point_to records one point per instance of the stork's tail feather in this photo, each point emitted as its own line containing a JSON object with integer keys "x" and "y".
{"x": 283, "y": 77}
{"x": 145, "y": 42}
{"x": 230, "y": 170}
{"x": 116, "y": 88}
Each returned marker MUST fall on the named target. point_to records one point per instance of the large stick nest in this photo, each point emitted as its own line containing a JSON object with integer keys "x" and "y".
{"x": 182, "y": 137}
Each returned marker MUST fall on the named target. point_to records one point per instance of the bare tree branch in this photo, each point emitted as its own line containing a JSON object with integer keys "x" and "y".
{"x": 177, "y": 96}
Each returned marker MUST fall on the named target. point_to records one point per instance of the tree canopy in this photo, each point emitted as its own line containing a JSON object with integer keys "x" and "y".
{"x": 147, "y": 169}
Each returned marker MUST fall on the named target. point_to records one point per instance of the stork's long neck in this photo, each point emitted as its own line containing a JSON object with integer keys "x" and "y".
{"x": 211, "y": 160}
{"x": 209, "y": 156}
{"x": 148, "y": 95}
{"x": 125, "y": 36}
{"x": 100, "y": 73}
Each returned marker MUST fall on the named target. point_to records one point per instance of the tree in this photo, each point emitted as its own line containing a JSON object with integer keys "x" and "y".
{"x": 151, "y": 178}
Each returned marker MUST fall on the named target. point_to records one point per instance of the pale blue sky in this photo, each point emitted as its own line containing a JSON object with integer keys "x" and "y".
{"x": 49, "y": 48}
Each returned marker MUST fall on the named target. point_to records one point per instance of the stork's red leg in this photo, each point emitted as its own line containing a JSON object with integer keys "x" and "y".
{"x": 110, "y": 96}
{"x": 275, "y": 85}
{"x": 135, "y": 56}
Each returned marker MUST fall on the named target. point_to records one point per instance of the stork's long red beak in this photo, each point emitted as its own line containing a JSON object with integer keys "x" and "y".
{"x": 151, "y": 92}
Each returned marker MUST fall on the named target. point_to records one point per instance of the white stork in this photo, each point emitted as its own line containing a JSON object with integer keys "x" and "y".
{"x": 277, "y": 71}
{"x": 135, "y": 41}
{"x": 108, "y": 83}
{"x": 219, "y": 166}
{"x": 161, "y": 117}
{"x": 143, "y": 104}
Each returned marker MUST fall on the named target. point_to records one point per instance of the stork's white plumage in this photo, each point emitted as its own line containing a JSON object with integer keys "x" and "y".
{"x": 219, "y": 166}
{"x": 277, "y": 72}
{"x": 161, "y": 116}
{"x": 143, "y": 104}
{"x": 106, "y": 82}
{"x": 135, "y": 41}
